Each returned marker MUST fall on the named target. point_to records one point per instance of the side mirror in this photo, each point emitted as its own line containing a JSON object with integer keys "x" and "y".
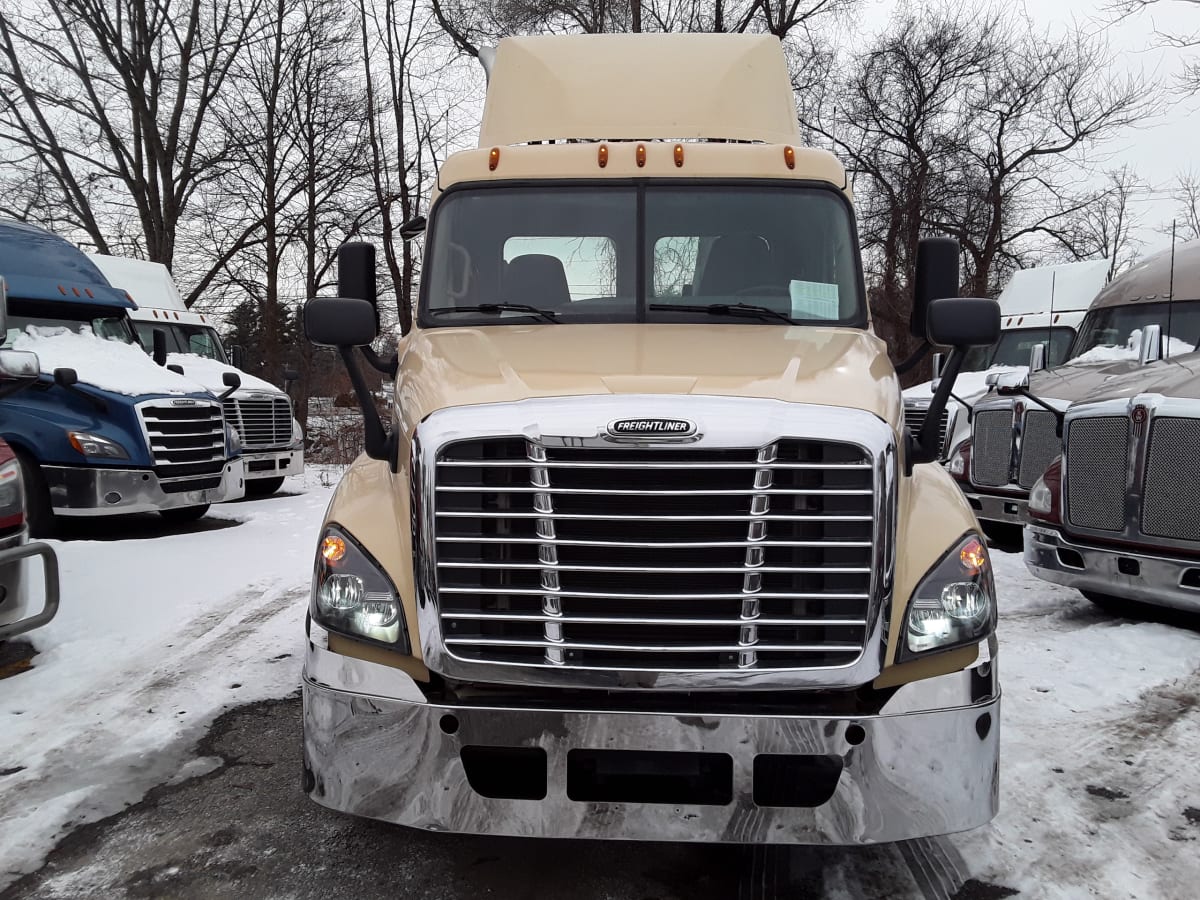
{"x": 414, "y": 227}
{"x": 18, "y": 368}
{"x": 1037, "y": 358}
{"x": 291, "y": 375}
{"x": 66, "y": 378}
{"x": 236, "y": 357}
{"x": 1151, "y": 347}
{"x": 160, "y": 347}
{"x": 936, "y": 278}
{"x": 1011, "y": 382}
{"x": 356, "y": 271}
{"x": 340, "y": 322}
{"x": 962, "y": 322}
{"x": 176, "y": 368}
{"x": 231, "y": 380}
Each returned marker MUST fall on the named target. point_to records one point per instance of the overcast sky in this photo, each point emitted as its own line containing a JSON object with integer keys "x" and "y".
{"x": 1164, "y": 148}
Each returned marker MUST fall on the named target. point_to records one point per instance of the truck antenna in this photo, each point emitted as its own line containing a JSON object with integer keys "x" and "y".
{"x": 1050, "y": 323}
{"x": 1170, "y": 297}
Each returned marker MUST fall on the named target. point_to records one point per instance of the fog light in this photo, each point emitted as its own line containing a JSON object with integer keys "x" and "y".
{"x": 341, "y": 592}
{"x": 964, "y": 600}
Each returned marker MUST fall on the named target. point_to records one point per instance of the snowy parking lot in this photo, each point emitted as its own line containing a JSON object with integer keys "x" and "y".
{"x": 163, "y": 633}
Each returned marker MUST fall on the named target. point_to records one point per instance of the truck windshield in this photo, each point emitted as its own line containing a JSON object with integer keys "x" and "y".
{"x": 745, "y": 254}
{"x": 110, "y": 327}
{"x": 197, "y": 339}
{"x": 1014, "y": 346}
{"x": 1114, "y": 332}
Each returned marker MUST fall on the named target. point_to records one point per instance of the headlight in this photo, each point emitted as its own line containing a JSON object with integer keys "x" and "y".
{"x": 1043, "y": 496}
{"x": 95, "y": 446}
{"x": 233, "y": 439}
{"x": 351, "y": 593}
{"x": 955, "y": 604}
{"x": 297, "y": 432}
{"x": 12, "y": 495}
{"x": 960, "y": 460}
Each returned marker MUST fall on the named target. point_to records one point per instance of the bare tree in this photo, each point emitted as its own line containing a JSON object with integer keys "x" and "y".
{"x": 111, "y": 102}
{"x": 1106, "y": 223}
{"x": 1187, "y": 204}
{"x": 1189, "y": 78}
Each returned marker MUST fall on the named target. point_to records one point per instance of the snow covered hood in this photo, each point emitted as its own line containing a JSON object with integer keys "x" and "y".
{"x": 105, "y": 364}
{"x": 1178, "y": 376}
{"x": 209, "y": 371}
{"x": 969, "y": 386}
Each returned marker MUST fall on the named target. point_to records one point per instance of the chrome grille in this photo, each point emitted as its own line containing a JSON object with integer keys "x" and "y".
{"x": 1040, "y": 444}
{"x": 654, "y": 559}
{"x": 1171, "y": 504}
{"x": 1097, "y": 454}
{"x": 262, "y": 424}
{"x": 187, "y": 443}
{"x": 914, "y": 418}
{"x": 991, "y": 447}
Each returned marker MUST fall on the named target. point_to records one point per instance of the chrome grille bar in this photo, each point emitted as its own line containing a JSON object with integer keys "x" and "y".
{"x": 543, "y": 502}
{"x": 755, "y": 557}
{"x": 549, "y": 513}
{"x": 559, "y": 464}
{"x": 643, "y": 620}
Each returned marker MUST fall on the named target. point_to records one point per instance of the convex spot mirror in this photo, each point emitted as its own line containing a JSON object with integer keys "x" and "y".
{"x": 19, "y": 364}
{"x": 1009, "y": 382}
{"x": 340, "y": 322}
{"x": 963, "y": 322}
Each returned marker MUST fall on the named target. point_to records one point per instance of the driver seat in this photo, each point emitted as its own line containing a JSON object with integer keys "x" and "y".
{"x": 736, "y": 262}
{"x": 538, "y": 280}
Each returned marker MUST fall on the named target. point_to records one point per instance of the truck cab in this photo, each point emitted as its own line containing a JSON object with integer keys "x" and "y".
{"x": 103, "y": 431}
{"x": 271, "y": 439}
{"x": 647, "y": 551}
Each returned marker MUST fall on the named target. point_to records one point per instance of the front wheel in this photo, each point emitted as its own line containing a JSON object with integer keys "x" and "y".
{"x": 184, "y": 514}
{"x": 39, "y": 514}
{"x": 261, "y": 487}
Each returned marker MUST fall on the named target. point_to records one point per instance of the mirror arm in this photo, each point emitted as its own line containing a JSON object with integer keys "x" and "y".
{"x": 917, "y": 355}
{"x": 375, "y": 437}
{"x": 229, "y": 393}
{"x": 1059, "y": 415}
{"x": 965, "y": 405}
{"x": 388, "y": 365}
{"x": 924, "y": 447}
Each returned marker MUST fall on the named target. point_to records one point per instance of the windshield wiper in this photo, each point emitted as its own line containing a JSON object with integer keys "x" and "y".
{"x": 547, "y": 315}
{"x": 727, "y": 309}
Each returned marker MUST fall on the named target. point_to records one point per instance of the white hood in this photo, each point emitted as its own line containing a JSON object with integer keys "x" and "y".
{"x": 969, "y": 386}
{"x": 209, "y": 371}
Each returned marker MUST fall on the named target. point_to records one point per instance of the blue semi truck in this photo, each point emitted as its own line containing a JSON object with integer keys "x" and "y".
{"x": 104, "y": 431}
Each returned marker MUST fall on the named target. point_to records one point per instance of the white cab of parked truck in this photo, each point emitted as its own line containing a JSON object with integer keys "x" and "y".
{"x": 1040, "y": 306}
{"x": 272, "y": 442}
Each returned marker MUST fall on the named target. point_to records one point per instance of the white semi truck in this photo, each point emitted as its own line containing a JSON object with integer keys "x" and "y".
{"x": 272, "y": 441}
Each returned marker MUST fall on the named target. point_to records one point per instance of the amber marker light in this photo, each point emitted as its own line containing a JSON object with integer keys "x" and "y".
{"x": 973, "y": 557}
{"x": 494, "y": 158}
{"x": 602, "y": 155}
{"x": 333, "y": 548}
{"x": 641, "y": 155}
{"x": 679, "y": 156}
{"x": 789, "y": 156}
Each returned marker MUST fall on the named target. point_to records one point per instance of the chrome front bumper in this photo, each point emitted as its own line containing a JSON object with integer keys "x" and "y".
{"x": 995, "y": 508}
{"x": 926, "y": 765}
{"x": 76, "y": 491}
{"x": 1117, "y": 572}
{"x": 273, "y": 463}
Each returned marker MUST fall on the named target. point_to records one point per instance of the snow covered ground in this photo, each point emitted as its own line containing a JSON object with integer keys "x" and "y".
{"x": 1100, "y": 783}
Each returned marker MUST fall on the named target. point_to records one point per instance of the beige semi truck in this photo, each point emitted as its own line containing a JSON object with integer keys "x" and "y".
{"x": 646, "y": 550}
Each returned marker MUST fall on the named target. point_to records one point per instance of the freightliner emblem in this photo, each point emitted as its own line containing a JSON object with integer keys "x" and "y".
{"x": 652, "y": 428}
{"x": 183, "y": 403}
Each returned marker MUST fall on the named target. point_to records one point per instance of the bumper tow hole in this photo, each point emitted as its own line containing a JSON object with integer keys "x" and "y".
{"x": 795, "y": 781}
{"x": 1127, "y": 566}
{"x": 506, "y": 773}
{"x": 855, "y": 734}
{"x": 448, "y": 724}
{"x": 1070, "y": 558}
{"x": 646, "y": 776}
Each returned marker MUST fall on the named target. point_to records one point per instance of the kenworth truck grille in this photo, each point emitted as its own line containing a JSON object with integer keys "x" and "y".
{"x": 187, "y": 442}
{"x": 1096, "y": 463}
{"x": 1171, "y": 508}
{"x": 673, "y": 559}
{"x": 914, "y": 418}
{"x": 263, "y": 424}
{"x": 993, "y": 461}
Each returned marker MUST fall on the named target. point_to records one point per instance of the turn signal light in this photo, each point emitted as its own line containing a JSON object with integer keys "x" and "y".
{"x": 602, "y": 155}
{"x": 973, "y": 557}
{"x": 494, "y": 159}
{"x": 333, "y": 548}
{"x": 679, "y": 156}
{"x": 641, "y": 155}
{"x": 789, "y": 157}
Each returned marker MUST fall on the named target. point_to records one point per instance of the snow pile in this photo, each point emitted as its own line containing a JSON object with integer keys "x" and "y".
{"x": 209, "y": 371}
{"x": 106, "y": 364}
{"x": 1112, "y": 352}
{"x": 154, "y": 638}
